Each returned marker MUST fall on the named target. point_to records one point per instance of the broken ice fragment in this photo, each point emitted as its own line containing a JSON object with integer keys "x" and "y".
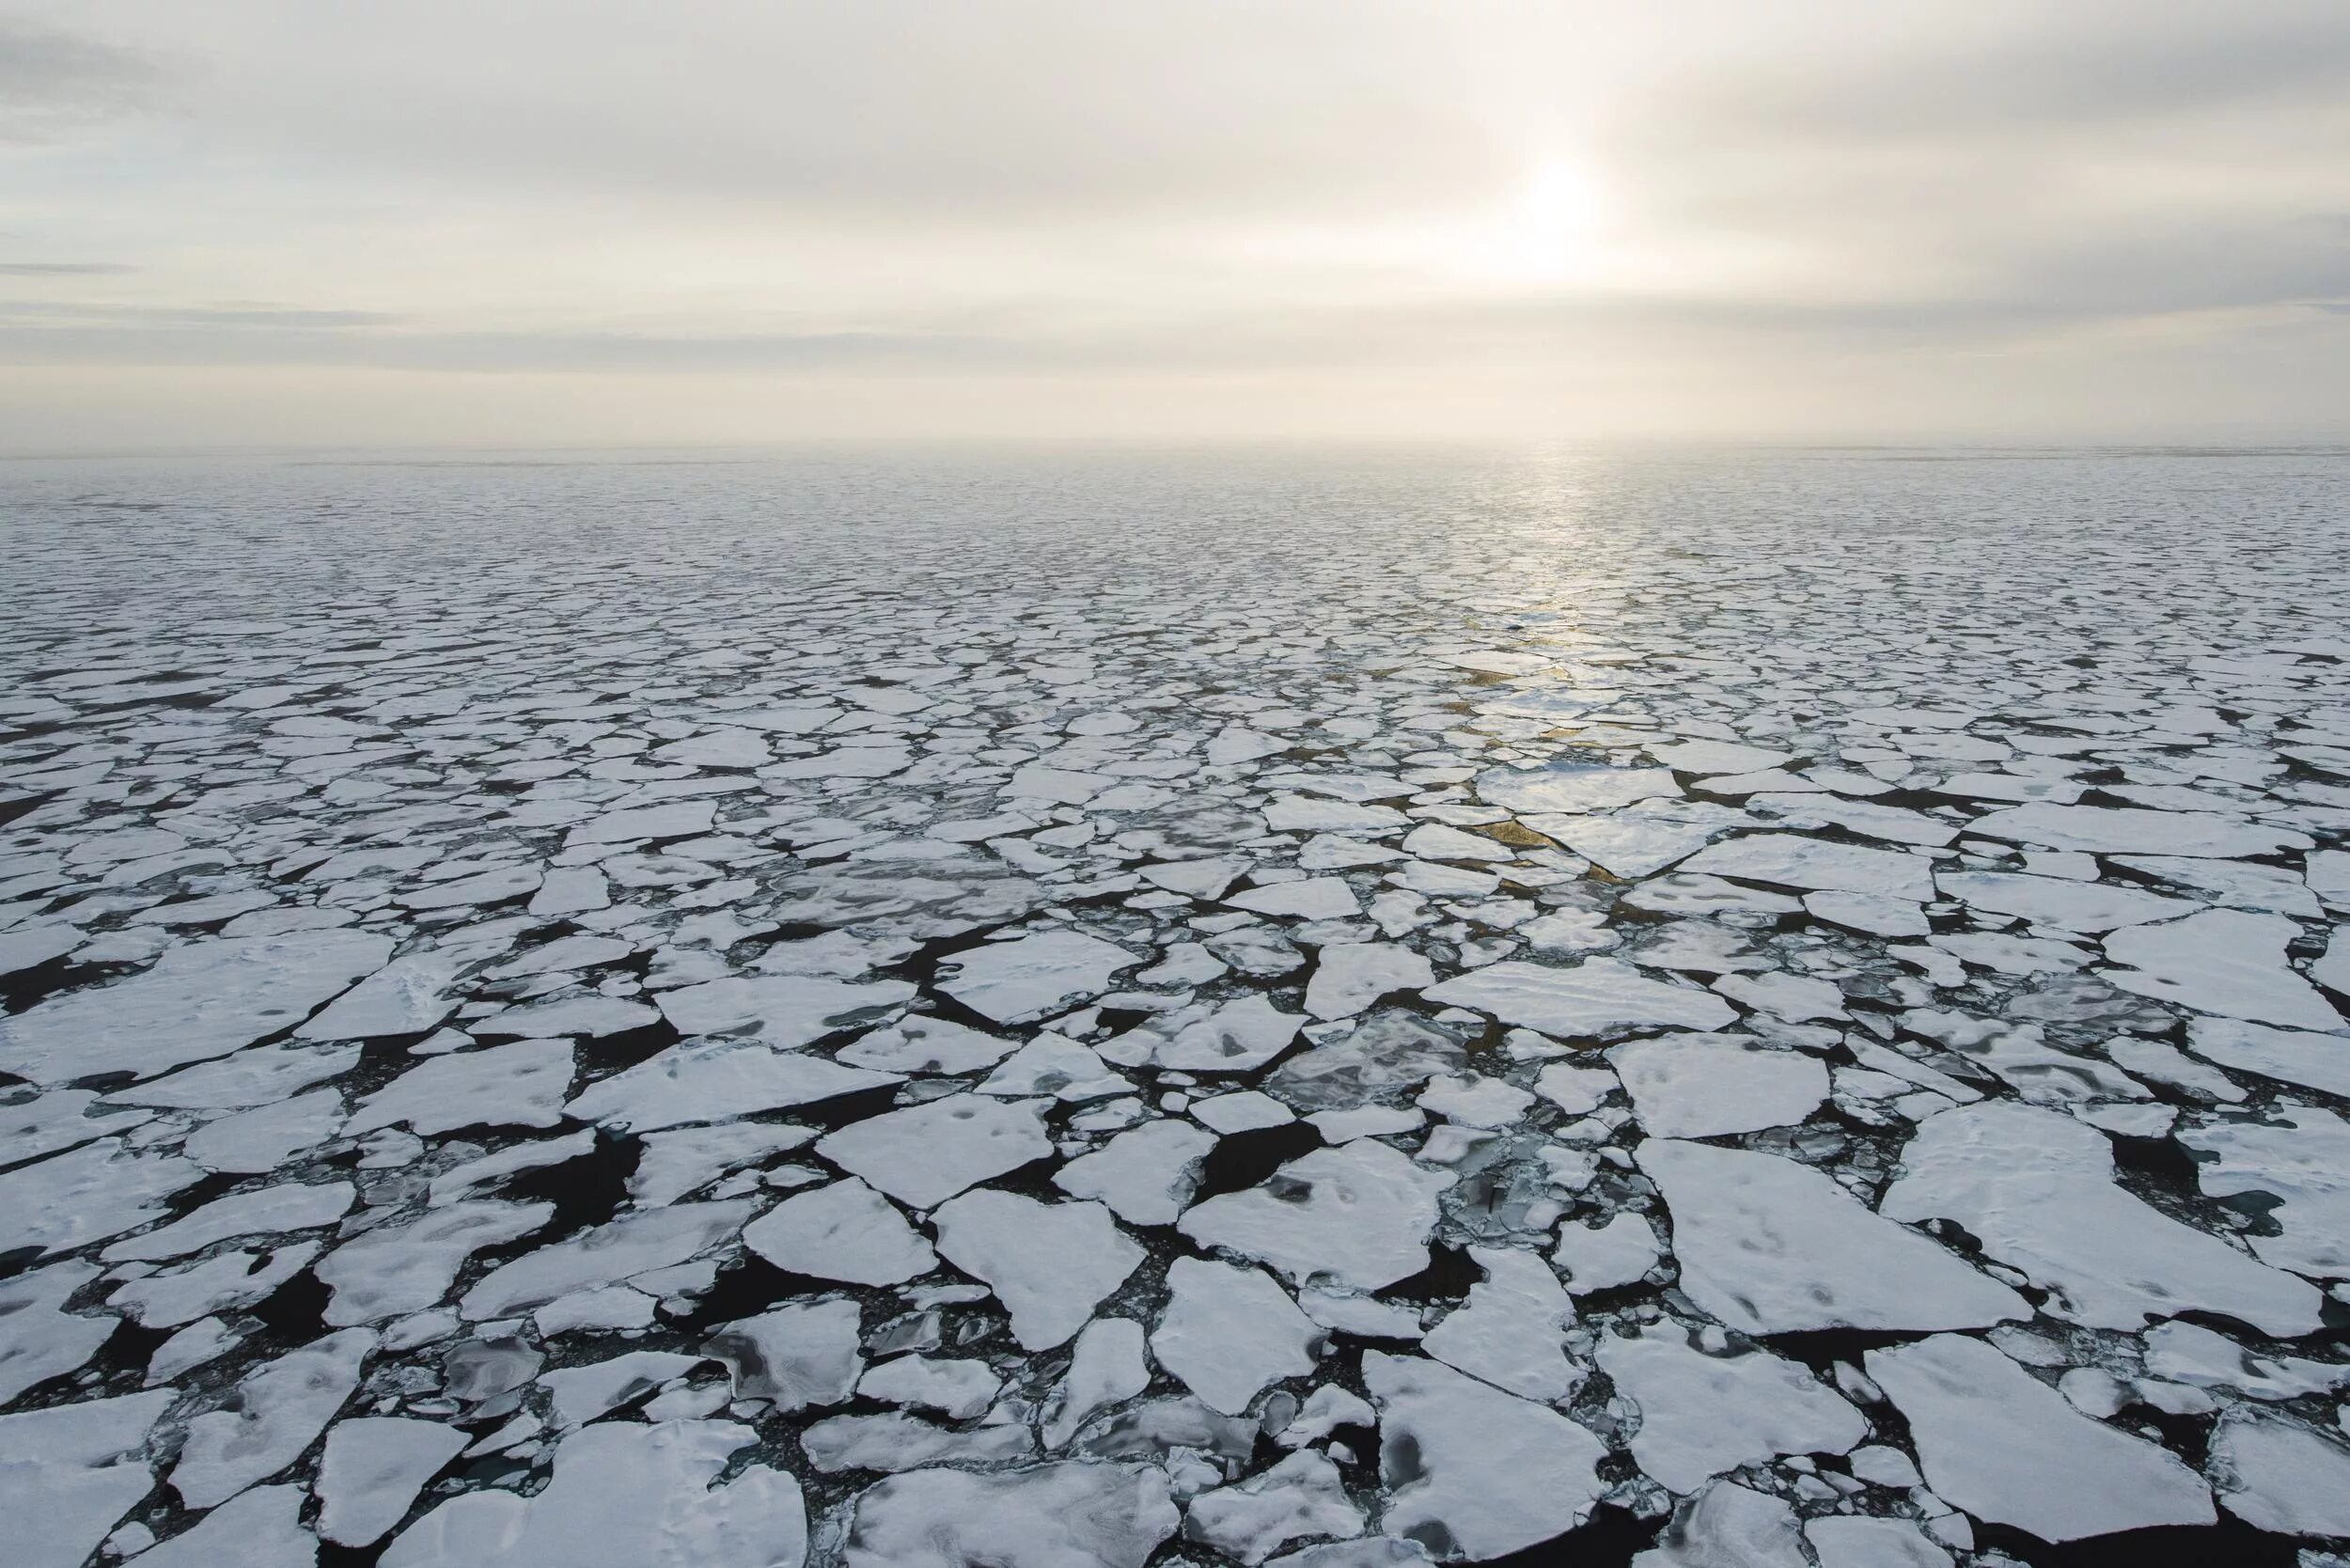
{"x": 1146, "y": 1174}
{"x": 1105, "y": 1366}
{"x": 1790, "y": 860}
{"x": 67, "y": 1473}
{"x": 44, "y": 1340}
{"x": 1047, "y": 1263}
{"x": 1705, "y": 1085}
{"x": 623, "y": 1495}
{"x": 371, "y": 1471}
{"x": 716, "y": 1082}
{"x": 2131, "y": 830}
{"x": 2037, "y": 1189}
{"x": 1472, "y": 1472}
{"x": 802, "y": 1354}
{"x": 604, "y": 1255}
{"x": 203, "y": 1000}
{"x": 1250, "y": 1520}
{"x": 1706, "y": 1409}
{"x": 1729, "y": 1526}
{"x": 278, "y": 1410}
{"x": 2299, "y": 1160}
{"x": 1607, "y": 1257}
{"x": 845, "y": 1231}
{"x": 1034, "y": 976}
{"x": 2275, "y": 1474}
{"x": 1054, "y": 1515}
{"x": 1770, "y": 1246}
{"x": 521, "y": 1085}
{"x": 1359, "y": 1214}
{"x": 1353, "y": 975}
{"x": 1598, "y": 996}
{"x": 2222, "y": 961}
{"x": 926, "y": 1154}
{"x": 1510, "y": 1332}
{"x": 259, "y": 1529}
{"x": 1229, "y": 1332}
{"x": 1572, "y": 789}
{"x": 782, "y": 1010}
{"x": 1998, "y": 1443}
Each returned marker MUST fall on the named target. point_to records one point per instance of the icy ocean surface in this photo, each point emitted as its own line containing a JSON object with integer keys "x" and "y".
{"x": 911, "y": 1010}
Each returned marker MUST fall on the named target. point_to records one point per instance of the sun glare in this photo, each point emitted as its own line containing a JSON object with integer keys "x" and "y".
{"x": 1550, "y": 234}
{"x": 1548, "y": 231}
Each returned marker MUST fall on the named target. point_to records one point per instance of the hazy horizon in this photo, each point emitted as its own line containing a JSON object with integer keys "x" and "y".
{"x": 258, "y": 224}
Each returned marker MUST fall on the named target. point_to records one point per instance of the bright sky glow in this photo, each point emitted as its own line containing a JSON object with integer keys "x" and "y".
{"x": 271, "y": 221}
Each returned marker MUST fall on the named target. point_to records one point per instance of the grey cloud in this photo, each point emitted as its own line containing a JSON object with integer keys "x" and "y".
{"x": 62, "y": 269}
{"x": 257, "y": 341}
{"x": 1244, "y": 339}
{"x": 142, "y": 317}
{"x": 836, "y": 189}
{"x": 2089, "y": 66}
{"x": 942, "y": 112}
{"x": 55, "y": 82}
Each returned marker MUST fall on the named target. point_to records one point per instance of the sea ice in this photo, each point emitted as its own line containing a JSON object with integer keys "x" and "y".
{"x": 2006, "y": 1448}
{"x": 1705, "y": 1085}
{"x": 203, "y": 1000}
{"x": 1770, "y": 1246}
{"x": 1599, "y": 997}
{"x": 1047, "y": 1263}
{"x": 1229, "y": 1332}
{"x": 1511, "y": 1331}
{"x": 372, "y": 1469}
{"x": 1472, "y": 1472}
{"x": 1033, "y": 977}
{"x": 926, "y": 1154}
{"x": 1067, "y": 1514}
{"x": 623, "y": 1495}
{"x": 1707, "y": 1410}
{"x": 2222, "y": 961}
{"x": 845, "y": 1231}
{"x": 2036, "y": 1188}
{"x": 1357, "y": 1216}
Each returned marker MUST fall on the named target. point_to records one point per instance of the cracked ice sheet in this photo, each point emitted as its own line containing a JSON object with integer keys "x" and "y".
{"x": 1771, "y": 1246}
{"x": 1705, "y": 1409}
{"x": 624, "y": 1497}
{"x": 69, "y": 1471}
{"x": 2007, "y": 1447}
{"x": 2221, "y": 961}
{"x": 767, "y": 787}
{"x": 1357, "y": 1216}
{"x": 1597, "y": 996}
{"x": 1704, "y": 1085}
{"x": 201, "y": 1000}
{"x": 1470, "y": 1471}
{"x": 2037, "y": 1188}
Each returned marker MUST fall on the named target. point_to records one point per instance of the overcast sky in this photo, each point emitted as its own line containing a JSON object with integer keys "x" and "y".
{"x": 289, "y": 221}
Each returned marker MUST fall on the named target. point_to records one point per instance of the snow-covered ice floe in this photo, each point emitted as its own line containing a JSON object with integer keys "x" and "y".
{"x": 1051, "y": 1016}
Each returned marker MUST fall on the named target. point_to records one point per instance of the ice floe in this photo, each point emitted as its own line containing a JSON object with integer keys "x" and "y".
{"x": 1472, "y": 1472}
{"x": 1703, "y": 1085}
{"x": 1047, "y": 1263}
{"x": 1707, "y": 1409}
{"x": 2008, "y": 1449}
{"x": 1357, "y": 1216}
{"x": 1771, "y": 1246}
{"x": 2036, "y": 1189}
{"x": 884, "y": 1034}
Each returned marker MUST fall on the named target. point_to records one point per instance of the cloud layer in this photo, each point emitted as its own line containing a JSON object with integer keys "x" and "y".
{"x": 725, "y": 220}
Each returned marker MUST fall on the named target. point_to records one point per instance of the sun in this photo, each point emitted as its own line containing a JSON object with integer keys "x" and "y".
{"x": 1549, "y": 230}
{"x": 1550, "y": 234}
